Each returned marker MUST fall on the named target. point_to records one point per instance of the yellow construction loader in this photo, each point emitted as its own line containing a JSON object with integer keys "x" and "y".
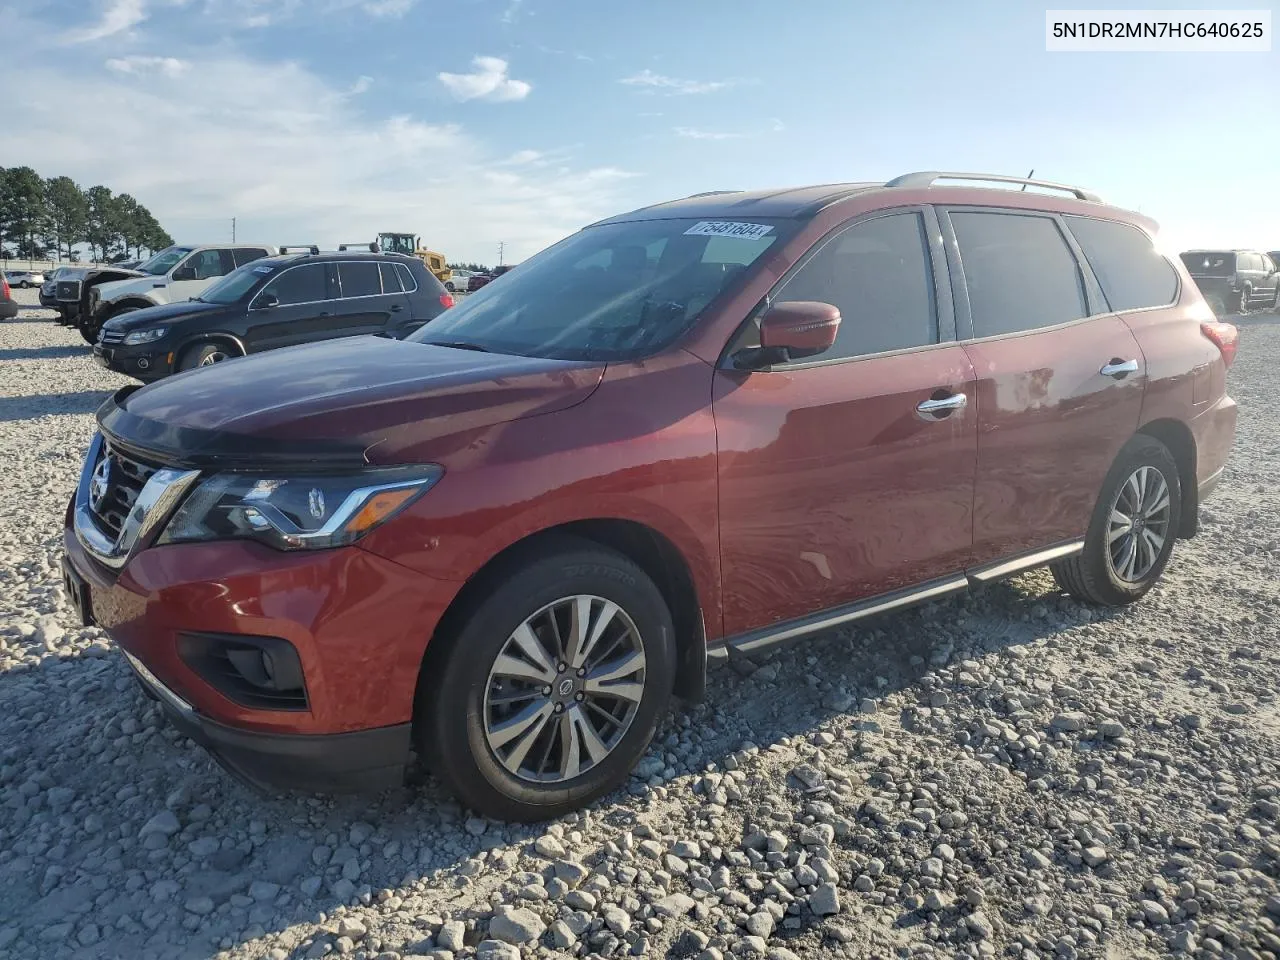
{"x": 409, "y": 244}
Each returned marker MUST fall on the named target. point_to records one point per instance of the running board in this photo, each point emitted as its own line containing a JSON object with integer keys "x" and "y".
{"x": 765, "y": 637}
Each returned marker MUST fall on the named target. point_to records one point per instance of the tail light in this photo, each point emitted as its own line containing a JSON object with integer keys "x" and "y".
{"x": 446, "y": 299}
{"x": 4, "y": 288}
{"x": 1225, "y": 337}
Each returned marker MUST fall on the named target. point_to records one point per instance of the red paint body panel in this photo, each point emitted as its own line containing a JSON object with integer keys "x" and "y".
{"x": 832, "y": 487}
{"x": 1050, "y": 426}
{"x": 360, "y": 624}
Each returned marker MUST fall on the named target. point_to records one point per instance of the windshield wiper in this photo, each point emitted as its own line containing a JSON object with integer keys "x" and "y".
{"x": 458, "y": 345}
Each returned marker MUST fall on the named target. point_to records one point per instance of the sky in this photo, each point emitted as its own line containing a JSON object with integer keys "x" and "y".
{"x": 479, "y": 122}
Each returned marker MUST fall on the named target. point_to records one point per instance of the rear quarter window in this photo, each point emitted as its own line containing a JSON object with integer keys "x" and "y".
{"x": 1132, "y": 273}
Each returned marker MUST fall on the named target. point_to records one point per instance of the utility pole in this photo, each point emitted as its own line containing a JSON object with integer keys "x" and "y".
{"x": 233, "y": 229}
{"x": 501, "y": 250}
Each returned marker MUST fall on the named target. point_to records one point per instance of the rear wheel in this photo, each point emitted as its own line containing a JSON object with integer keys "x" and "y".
{"x": 552, "y": 687}
{"x": 204, "y": 355}
{"x": 1242, "y": 302}
{"x": 1132, "y": 531}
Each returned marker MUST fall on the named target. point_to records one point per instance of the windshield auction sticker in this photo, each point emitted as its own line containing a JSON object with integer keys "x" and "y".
{"x": 728, "y": 228}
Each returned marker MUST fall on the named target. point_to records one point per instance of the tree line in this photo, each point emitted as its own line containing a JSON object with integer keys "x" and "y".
{"x": 473, "y": 267}
{"x": 39, "y": 217}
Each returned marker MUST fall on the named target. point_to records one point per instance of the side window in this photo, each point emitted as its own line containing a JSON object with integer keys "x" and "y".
{"x": 208, "y": 264}
{"x": 390, "y": 279}
{"x": 360, "y": 279}
{"x": 245, "y": 255}
{"x": 406, "y": 278}
{"x": 877, "y": 273}
{"x": 1268, "y": 264}
{"x": 1019, "y": 272}
{"x": 1132, "y": 273}
{"x": 305, "y": 284}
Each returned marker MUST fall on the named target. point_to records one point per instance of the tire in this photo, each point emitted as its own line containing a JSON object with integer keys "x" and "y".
{"x": 468, "y": 739}
{"x": 1275, "y": 301}
{"x": 1242, "y": 301}
{"x": 1097, "y": 575}
{"x": 449, "y": 286}
{"x": 204, "y": 355}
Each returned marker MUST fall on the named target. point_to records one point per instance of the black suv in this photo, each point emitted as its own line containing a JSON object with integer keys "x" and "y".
{"x": 1233, "y": 281}
{"x": 275, "y": 302}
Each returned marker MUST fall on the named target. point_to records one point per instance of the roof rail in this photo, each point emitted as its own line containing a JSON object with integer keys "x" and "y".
{"x": 710, "y": 193}
{"x": 925, "y": 178}
{"x": 295, "y": 247}
{"x": 371, "y": 247}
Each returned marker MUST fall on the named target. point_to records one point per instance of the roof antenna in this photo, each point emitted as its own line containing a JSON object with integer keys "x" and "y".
{"x": 1029, "y": 173}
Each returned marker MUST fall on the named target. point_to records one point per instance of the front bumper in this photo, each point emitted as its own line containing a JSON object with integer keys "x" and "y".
{"x": 359, "y": 623}
{"x": 147, "y": 362}
{"x": 319, "y": 763}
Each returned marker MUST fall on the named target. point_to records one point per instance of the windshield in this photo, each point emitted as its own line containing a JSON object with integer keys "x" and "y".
{"x": 164, "y": 261}
{"x": 618, "y": 291}
{"x": 232, "y": 287}
{"x": 1210, "y": 264}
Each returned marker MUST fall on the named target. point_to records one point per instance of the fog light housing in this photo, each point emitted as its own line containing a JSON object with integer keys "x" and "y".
{"x": 263, "y": 673}
{"x": 144, "y": 363}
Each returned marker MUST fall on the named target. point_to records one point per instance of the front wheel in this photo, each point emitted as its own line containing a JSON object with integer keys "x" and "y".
{"x": 204, "y": 355}
{"x": 1134, "y": 525}
{"x": 552, "y": 687}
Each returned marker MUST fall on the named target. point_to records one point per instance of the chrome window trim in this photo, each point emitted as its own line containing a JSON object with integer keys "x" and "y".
{"x": 322, "y": 264}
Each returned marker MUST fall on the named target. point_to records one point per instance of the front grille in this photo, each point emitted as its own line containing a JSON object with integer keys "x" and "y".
{"x": 112, "y": 336}
{"x": 68, "y": 290}
{"x": 125, "y": 479}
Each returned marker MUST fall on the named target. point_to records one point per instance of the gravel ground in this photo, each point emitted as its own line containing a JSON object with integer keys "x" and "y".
{"x": 1006, "y": 774}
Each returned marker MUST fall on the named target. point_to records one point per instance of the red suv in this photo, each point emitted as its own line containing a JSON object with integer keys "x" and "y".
{"x": 683, "y": 434}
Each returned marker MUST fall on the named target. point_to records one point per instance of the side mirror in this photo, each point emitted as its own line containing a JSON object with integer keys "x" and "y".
{"x": 802, "y": 328}
{"x": 266, "y": 301}
{"x": 184, "y": 273}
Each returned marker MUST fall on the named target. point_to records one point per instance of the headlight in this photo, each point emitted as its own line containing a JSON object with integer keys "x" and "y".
{"x": 144, "y": 336}
{"x": 297, "y": 512}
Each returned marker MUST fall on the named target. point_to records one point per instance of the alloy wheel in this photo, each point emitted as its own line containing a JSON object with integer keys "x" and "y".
{"x": 564, "y": 689}
{"x": 1138, "y": 525}
{"x": 216, "y": 357}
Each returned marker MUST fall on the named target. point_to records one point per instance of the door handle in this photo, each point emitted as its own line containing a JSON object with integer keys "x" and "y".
{"x": 1119, "y": 368}
{"x": 396, "y": 308}
{"x": 936, "y": 408}
{"x": 324, "y": 313}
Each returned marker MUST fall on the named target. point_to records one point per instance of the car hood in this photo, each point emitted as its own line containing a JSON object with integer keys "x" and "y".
{"x": 141, "y": 283}
{"x": 340, "y": 403}
{"x": 168, "y": 312}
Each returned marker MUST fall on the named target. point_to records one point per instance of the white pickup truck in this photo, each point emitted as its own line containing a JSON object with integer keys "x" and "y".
{"x": 176, "y": 273}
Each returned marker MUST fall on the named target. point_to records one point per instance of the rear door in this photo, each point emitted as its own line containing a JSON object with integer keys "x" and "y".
{"x": 303, "y": 311}
{"x": 1059, "y": 377}
{"x": 404, "y": 319}
{"x": 364, "y": 307}
{"x": 834, "y": 486}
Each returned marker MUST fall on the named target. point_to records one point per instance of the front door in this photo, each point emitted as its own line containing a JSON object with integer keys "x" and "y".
{"x": 834, "y": 486}
{"x": 207, "y": 266}
{"x": 297, "y": 306}
{"x": 1059, "y": 379}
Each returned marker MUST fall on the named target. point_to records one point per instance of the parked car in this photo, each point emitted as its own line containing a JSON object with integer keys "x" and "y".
{"x": 458, "y": 280}
{"x": 24, "y": 278}
{"x": 175, "y": 273}
{"x": 275, "y": 302}
{"x": 66, "y": 293}
{"x": 1234, "y": 281}
{"x": 49, "y": 289}
{"x": 8, "y": 308}
{"x": 683, "y": 434}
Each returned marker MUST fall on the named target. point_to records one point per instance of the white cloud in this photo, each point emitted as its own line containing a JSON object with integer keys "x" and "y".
{"x": 510, "y": 14}
{"x": 387, "y": 8}
{"x": 138, "y": 65}
{"x": 317, "y": 165}
{"x": 117, "y": 16}
{"x": 489, "y": 81}
{"x": 361, "y": 85}
{"x": 673, "y": 85}
{"x": 692, "y": 133}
